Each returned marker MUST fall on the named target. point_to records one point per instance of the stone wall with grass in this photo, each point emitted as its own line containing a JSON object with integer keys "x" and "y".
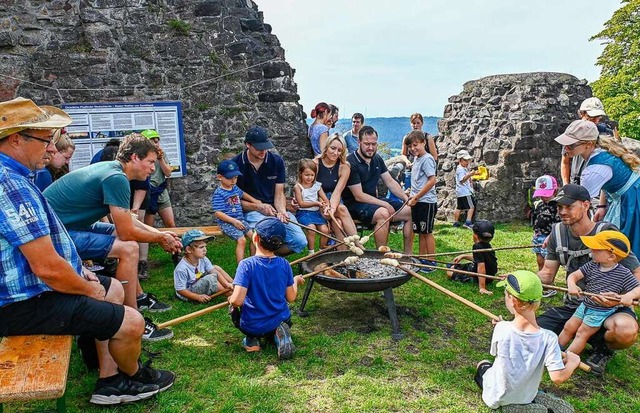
{"x": 508, "y": 123}
{"x": 218, "y": 57}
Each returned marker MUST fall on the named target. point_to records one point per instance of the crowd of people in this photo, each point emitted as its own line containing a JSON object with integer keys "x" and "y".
{"x": 52, "y": 220}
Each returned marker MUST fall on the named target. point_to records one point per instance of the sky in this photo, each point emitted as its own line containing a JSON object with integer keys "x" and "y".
{"x": 392, "y": 58}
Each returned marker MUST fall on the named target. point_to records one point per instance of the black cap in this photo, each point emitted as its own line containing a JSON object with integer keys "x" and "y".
{"x": 258, "y": 138}
{"x": 571, "y": 193}
{"x": 484, "y": 229}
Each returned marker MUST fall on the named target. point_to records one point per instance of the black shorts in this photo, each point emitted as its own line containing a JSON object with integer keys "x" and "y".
{"x": 555, "y": 318}
{"x": 465, "y": 202}
{"x": 465, "y": 278}
{"x": 364, "y": 212}
{"x": 56, "y": 313}
{"x": 482, "y": 368}
{"x": 423, "y": 215}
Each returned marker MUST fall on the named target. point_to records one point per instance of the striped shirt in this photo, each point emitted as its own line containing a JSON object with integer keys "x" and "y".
{"x": 228, "y": 201}
{"x": 619, "y": 280}
{"x": 25, "y": 216}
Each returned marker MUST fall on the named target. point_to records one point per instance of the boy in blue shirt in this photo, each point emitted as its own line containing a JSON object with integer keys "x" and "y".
{"x": 263, "y": 286}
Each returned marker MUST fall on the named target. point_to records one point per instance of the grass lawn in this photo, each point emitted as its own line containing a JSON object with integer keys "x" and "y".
{"x": 346, "y": 360}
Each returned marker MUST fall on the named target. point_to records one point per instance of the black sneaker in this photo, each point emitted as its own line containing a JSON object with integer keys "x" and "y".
{"x": 598, "y": 360}
{"x": 149, "y": 302}
{"x": 152, "y": 333}
{"x": 283, "y": 341}
{"x": 147, "y": 375}
{"x": 549, "y": 293}
{"x": 143, "y": 270}
{"x": 121, "y": 389}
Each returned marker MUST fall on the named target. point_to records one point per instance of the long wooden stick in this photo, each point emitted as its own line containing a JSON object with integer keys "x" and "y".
{"x": 472, "y": 251}
{"x": 322, "y": 251}
{"x": 390, "y": 218}
{"x": 193, "y": 315}
{"x": 316, "y": 272}
{"x": 500, "y": 278}
{"x": 308, "y": 228}
{"x": 337, "y": 224}
{"x": 219, "y": 293}
{"x": 466, "y": 302}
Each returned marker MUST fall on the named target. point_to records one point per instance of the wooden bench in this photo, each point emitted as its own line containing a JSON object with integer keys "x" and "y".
{"x": 34, "y": 368}
{"x": 210, "y": 230}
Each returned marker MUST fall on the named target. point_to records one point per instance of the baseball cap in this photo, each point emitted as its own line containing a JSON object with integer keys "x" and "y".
{"x": 258, "y": 138}
{"x": 150, "y": 134}
{"x": 593, "y": 106}
{"x": 484, "y": 229}
{"x": 19, "y": 114}
{"x": 578, "y": 130}
{"x": 463, "y": 154}
{"x": 546, "y": 185}
{"x": 571, "y": 193}
{"x": 228, "y": 168}
{"x": 614, "y": 241}
{"x": 271, "y": 230}
{"x": 194, "y": 235}
{"x": 524, "y": 285}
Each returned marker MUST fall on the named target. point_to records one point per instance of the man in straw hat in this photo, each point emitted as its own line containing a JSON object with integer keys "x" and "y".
{"x": 43, "y": 289}
{"x": 566, "y": 248}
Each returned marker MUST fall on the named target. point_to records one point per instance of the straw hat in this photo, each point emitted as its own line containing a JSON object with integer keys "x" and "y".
{"x": 20, "y": 114}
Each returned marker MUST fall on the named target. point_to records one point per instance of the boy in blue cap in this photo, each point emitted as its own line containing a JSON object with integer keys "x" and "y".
{"x": 195, "y": 278}
{"x": 263, "y": 286}
{"x": 228, "y": 208}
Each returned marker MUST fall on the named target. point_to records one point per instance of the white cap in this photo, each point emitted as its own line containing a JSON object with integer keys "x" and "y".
{"x": 578, "y": 130}
{"x": 593, "y": 107}
{"x": 463, "y": 154}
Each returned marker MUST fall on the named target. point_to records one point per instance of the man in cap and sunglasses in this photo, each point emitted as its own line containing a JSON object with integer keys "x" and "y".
{"x": 43, "y": 289}
{"x": 566, "y": 248}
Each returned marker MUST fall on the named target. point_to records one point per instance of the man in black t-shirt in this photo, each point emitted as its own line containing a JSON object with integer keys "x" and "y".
{"x": 361, "y": 194}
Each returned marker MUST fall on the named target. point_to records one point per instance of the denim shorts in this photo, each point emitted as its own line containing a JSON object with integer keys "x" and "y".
{"x": 95, "y": 242}
{"x": 306, "y": 217}
{"x": 538, "y": 240}
{"x": 233, "y": 232}
{"x": 593, "y": 317}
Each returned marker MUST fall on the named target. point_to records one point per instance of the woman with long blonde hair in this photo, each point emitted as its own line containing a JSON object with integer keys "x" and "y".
{"x": 333, "y": 174}
{"x": 612, "y": 168}
{"x": 57, "y": 162}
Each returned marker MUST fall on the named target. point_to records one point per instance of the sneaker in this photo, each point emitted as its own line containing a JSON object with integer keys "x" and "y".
{"x": 283, "y": 341}
{"x": 427, "y": 270}
{"x": 152, "y": 333}
{"x": 549, "y": 293}
{"x": 147, "y": 375}
{"x": 524, "y": 408}
{"x": 143, "y": 270}
{"x": 457, "y": 224}
{"x": 553, "y": 403}
{"x": 468, "y": 224}
{"x": 598, "y": 360}
{"x": 121, "y": 389}
{"x": 251, "y": 344}
{"x": 149, "y": 302}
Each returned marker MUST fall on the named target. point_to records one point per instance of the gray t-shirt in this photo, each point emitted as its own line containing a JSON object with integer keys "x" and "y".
{"x": 423, "y": 168}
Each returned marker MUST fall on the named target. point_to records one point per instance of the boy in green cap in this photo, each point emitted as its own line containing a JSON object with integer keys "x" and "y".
{"x": 522, "y": 349}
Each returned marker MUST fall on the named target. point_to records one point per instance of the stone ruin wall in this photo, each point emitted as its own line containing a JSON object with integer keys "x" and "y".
{"x": 148, "y": 50}
{"x": 509, "y": 122}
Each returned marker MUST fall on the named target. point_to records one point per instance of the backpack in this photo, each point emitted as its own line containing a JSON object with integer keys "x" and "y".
{"x": 562, "y": 244}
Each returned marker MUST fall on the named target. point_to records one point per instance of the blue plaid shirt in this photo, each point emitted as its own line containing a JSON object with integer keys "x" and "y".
{"x": 25, "y": 216}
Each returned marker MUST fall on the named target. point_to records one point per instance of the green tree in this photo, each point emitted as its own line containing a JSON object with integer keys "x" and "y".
{"x": 619, "y": 83}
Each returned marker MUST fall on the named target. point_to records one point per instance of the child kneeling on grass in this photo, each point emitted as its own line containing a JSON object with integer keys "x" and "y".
{"x": 522, "y": 349}
{"x": 195, "y": 278}
{"x": 263, "y": 286}
{"x": 484, "y": 262}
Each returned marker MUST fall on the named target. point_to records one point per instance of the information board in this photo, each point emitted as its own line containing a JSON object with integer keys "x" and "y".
{"x": 96, "y": 123}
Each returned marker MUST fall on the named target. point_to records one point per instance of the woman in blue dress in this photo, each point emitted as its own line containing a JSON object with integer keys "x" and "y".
{"x": 612, "y": 168}
{"x": 319, "y": 129}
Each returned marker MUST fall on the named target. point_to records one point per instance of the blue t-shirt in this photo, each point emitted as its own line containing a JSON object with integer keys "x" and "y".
{"x": 352, "y": 142}
{"x": 423, "y": 168}
{"x": 228, "y": 201}
{"x": 26, "y": 216}
{"x": 261, "y": 183}
{"x": 42, "y": 179}
{"x": 83, "y": 196}
{"x": 266, "y": 280}
{"x": 315, "y": 131}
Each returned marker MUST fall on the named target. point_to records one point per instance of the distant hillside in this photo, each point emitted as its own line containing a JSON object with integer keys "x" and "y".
{"x": 390, "y": 130}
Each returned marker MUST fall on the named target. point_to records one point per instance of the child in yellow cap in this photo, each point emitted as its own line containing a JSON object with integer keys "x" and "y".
{"x": 522, "y": 350}
{"x": 602, "y": 274}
